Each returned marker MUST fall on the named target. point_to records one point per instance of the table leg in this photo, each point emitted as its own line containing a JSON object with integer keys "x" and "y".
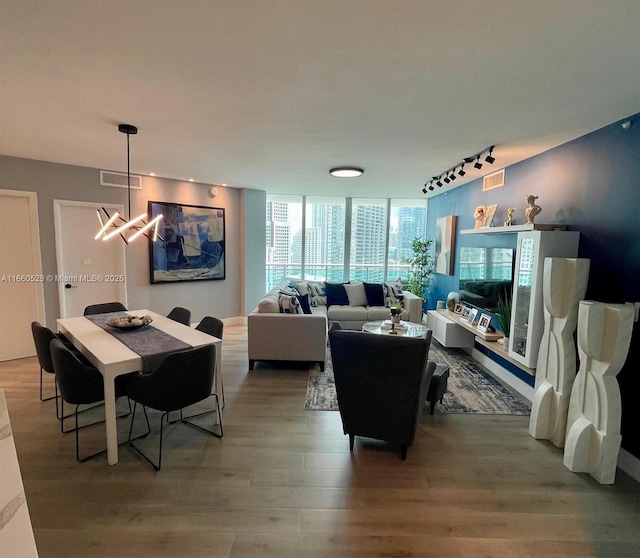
{"x": 110, "y": 420}
{"x": 218, "y": 374}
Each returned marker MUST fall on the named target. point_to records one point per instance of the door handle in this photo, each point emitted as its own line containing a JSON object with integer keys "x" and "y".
{"x": 70, "y": 286}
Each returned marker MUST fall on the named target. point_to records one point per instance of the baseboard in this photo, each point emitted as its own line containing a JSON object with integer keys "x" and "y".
{"x": 503, "y": 376}
{"x": 629, "y": 464}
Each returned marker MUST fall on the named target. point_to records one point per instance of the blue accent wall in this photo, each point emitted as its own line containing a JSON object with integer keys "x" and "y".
{"x": 592, "y": 185}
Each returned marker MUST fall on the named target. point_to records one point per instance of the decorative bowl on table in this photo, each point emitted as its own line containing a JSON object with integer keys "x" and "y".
{"x": 129, "y": 322}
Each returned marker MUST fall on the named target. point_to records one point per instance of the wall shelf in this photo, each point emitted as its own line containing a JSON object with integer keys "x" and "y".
{"x": 514, "y": 229}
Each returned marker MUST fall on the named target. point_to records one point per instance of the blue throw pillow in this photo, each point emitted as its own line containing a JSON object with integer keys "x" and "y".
{"x": 304, "y": 304}
{"x": 336, "y": 294}
{"x": 375, "y": 294}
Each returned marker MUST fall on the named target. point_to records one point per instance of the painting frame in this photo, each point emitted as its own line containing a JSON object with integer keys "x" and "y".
{"x": 489, "y": 214}
{"x": 471, "y": 317}
{"x": 445, "y": 244}
{"x": 484, "y": 322}
{"x": 192, "y": 246}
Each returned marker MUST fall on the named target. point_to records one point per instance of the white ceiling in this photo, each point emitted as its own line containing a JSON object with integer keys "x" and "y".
{"x": 270, "y": 94}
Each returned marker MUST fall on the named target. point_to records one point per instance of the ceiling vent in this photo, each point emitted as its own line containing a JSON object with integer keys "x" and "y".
{"x": 119, "y": 180}
{"x": 493, "y": 180}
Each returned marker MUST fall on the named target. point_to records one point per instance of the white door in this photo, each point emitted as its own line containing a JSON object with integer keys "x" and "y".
{"x": 89, "y": 271}
{"x": 21, "y": 281}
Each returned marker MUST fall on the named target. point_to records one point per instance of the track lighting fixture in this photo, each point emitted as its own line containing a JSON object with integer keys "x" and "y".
{"x": 424, "y": 189}
{"x": 450, "y": 174}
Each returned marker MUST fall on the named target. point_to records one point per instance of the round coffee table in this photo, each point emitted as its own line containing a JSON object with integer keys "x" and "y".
{"x": 406, "y": 329}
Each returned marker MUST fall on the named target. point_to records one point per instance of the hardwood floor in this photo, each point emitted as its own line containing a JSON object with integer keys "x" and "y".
{"x": 282, "y": 483}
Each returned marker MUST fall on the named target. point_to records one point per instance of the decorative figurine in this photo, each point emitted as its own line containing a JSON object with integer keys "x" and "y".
{"x": 479, "y": 214}
{"x": 509, "y": 221}
{"x": 532, "y": 210}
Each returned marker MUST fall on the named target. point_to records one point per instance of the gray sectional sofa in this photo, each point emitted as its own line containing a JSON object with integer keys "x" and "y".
{"x": 292, "y": 335}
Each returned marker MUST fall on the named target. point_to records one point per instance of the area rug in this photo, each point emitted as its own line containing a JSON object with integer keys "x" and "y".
{"x": 470, "y": 388}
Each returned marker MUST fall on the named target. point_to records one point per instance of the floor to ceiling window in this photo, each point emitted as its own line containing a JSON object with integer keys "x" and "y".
{"x": 336, "y": 239}
{"x": 324, "y": 238}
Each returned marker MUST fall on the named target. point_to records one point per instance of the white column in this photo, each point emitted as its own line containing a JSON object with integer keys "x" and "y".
{"x": 593, "y": 426}
{"x": 564, "y": 285}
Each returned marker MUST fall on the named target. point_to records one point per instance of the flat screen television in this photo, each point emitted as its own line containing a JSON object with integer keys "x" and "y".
{"x": 486, "y": 272}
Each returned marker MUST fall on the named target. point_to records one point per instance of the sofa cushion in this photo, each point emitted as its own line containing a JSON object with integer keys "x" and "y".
{"x": 336, "y": 295}
{"x": 347, "y": 313}
{"x": 301, "y": 286}
{"x": 289, "y": 304}
{"x": 317, "y": 293}
{"x": 356, "y": 294}
{"x": 269, "y": 304}
{"x": 304, "y": 303}
{"x": 375, "y": 294}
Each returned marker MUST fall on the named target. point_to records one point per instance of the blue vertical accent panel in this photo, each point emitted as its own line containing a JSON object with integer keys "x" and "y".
{"x": 592, "y": 185}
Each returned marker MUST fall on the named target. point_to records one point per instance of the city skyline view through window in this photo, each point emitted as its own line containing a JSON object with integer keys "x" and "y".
{"x": 307, "y": 237}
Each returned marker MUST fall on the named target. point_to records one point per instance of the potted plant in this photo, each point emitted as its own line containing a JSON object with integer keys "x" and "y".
{"x": 421, "y": 267}
{"x": 395, "y": 309}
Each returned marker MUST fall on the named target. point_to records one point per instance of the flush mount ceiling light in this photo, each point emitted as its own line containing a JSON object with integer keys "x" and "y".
{"x": 346, "y": 172}
{"x": 119, "y": 225}
{"x": 450, "y": 174}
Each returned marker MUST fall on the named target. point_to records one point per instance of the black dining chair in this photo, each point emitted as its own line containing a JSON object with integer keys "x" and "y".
{"x": 104, "y": 307}
{"x": 79, "y": 384}
{"x": 42, "y": 337}
{"x": 182, "y": 379}
{"x": 213, "y": 326}
{"x": 182, "y": 315}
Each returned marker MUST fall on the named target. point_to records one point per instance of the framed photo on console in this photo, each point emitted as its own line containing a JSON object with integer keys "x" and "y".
{"x": 458, "y": 309}
{"x": 465, "y": 312}
{"x": 471, "y": 318}
{"x": 484, "y": 322}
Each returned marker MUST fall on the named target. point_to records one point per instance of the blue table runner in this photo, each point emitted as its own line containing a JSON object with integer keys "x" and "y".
{"x": 149, "y": 342}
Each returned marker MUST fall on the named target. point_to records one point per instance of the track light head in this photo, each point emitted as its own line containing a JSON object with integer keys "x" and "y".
{"x": 424, "y": 189}
{"x": 447, "y": 179}
{"x": 439, "y": 183}
{"x": 453, "y": 176}
{"x": 489, "y": 158}
{"x": 461, "y": 172}
{"x": 431, "y": 187}
{"x": 477, "y": 164}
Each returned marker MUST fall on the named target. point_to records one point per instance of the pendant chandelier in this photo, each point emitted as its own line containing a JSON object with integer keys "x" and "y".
{"x": 113, "y": 225}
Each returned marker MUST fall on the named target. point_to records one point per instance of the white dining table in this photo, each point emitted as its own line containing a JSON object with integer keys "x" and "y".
{"x": 112, "y": 358}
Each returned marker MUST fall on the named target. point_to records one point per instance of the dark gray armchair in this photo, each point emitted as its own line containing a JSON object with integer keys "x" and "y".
{"x": 381, "y": 383}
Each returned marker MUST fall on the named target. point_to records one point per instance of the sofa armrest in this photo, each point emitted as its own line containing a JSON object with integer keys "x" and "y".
{"x": 274, "y": 336}
{"x": 413, "y": 304}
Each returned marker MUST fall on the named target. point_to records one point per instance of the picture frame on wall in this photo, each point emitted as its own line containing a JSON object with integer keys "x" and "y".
{"x": 445, "y": 244}
{"x": 489, "y": 214}
{"x": 193, "y": 245}
{"x": 484, "y": 322}
{"x": 471, "y": 318}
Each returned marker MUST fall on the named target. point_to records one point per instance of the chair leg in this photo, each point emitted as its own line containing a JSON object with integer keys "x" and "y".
{"x": 77, "y": 431}
{"x": 63, "y": 416}
{"x": 403, "y": 452}
{"x": 136, "y": 448}
{"x": 46, "y": 398}
{"x": 351, "y": 440}
{"x": 218, "y": 434}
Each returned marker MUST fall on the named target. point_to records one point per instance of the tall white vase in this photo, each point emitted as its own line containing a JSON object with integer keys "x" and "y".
{"x": 593, "y": 426}
{"x": 564, "y": 285}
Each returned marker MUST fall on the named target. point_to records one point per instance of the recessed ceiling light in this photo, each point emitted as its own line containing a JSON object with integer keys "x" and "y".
{"x": 223, "y": 184}
{"x": 346, "y": 172}
{"x": 191, "y": 180}
{"x": 152, "y": 174}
